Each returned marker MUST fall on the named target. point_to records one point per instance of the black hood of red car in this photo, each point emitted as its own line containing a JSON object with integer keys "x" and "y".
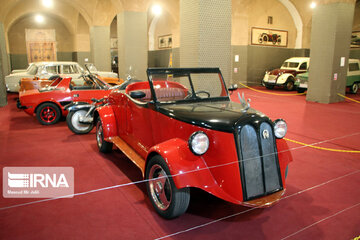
{"x": 222, "y": 116}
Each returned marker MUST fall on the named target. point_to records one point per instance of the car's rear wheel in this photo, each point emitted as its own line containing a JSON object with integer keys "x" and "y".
{"x": 168, "y": 201}
{"x": 289, "y": 85}
{"x": 48, "y": 113}
{"x": 354, "y": 88}
{"x": 74, "y": 124}
{"x": 104, "y": 146}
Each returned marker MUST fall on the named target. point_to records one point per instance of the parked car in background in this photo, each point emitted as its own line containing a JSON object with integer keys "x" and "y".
{"x": 352, "y": 78}
{"x": 182, "y": 130}
{"x": 48, "y": 103}
{"x": 36, "y": 83}
{"x": 285, "y": 76}
{"x": 44, "y": 70}
{"x": 91, "y": 67}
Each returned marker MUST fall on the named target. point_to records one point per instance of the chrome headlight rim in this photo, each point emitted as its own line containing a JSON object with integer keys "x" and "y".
{"x": 193, "y": 138}
{"x": 283, "y": 130}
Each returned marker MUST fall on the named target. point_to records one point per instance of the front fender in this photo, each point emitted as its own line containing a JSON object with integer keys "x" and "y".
{"x": 284, "y": 155}
{"x": 186, "y": 169}
{"x": 283, "y": 78}
{"x": 266, "y": 77}
{"x": 108, "y": 120}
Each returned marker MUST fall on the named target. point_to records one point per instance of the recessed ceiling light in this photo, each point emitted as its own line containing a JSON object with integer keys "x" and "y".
{"x": 313, "y": 5}
{"x": 39, "y": 18}
{"x": 156, "y": 10}
{"x": 48, "y": 3}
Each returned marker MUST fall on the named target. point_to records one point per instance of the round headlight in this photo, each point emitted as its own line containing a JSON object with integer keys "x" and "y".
{"x": 280, "y": 128}
{"x": 198, "y": 143}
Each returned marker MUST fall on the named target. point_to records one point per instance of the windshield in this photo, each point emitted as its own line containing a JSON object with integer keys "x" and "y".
{"x": 32, "y": 69}
{"x": 290, "y": 65}
{"x": 176, "y": 85}
{"x": 91, "y": 67}
{"x": 88, "y": 82}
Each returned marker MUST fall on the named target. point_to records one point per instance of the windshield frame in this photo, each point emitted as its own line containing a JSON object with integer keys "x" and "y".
{"x": 186, "y": 72}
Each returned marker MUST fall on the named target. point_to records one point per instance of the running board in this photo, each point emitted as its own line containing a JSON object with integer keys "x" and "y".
{"x": 129, "y": 152}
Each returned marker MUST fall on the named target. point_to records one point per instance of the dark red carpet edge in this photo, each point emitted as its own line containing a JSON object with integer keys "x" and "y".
{"x": 330, "y": 210}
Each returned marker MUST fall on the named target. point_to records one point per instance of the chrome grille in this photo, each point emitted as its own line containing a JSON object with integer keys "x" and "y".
{"x": 272, "y": 77}
{"x": 259, "y": 167}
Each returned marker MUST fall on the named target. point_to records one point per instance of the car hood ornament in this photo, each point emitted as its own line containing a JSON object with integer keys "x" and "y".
{"x": 244, "y": 103}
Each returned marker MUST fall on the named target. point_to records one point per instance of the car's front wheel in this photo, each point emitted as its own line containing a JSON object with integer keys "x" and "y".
{"x": 48, "y": 113}
{"x": 74, "y": 124}
{"x": 104, "y": 146}
{"x": 354, "y": 88}
{"x": 168, "y": 201}
{"x": 289, "y": 85}
{"x": 269, "y": 86}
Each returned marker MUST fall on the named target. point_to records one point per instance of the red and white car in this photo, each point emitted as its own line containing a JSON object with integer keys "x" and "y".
{"x": 285, "y": 76}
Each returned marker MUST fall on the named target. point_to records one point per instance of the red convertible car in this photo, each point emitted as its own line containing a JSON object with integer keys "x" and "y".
{"x": 181, "y": 129}
{"x": 48, "y": 103}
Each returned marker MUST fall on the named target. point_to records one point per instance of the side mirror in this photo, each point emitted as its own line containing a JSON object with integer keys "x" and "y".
{"x": 233, "y": 87}
{"x": 137, "y": 94}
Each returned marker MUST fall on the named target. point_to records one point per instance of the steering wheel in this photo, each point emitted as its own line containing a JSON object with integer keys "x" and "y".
{"x": 198, "y": 92}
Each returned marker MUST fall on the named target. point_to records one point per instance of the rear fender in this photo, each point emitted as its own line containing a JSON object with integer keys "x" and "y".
{"x": 108, "y": 120}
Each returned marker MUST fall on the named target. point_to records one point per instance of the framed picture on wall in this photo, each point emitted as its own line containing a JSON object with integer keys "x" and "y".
{"x": 355, "y": 39}
{"x": 269, "y": 37}
{"x": 165, "y": 41}
{"x": 41, "y": 51}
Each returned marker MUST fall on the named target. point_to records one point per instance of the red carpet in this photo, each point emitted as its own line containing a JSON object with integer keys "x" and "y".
{"x": 322, "y": 199}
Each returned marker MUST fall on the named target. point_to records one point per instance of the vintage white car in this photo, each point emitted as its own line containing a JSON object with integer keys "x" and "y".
{"x": 285, "y": 76}
{"x": 44, "y": 70}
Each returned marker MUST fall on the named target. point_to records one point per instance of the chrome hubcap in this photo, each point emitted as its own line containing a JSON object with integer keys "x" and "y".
{"x": 355, "y": 88}
{"x": 160, "y": 188}
{"x": 75, "y": 120}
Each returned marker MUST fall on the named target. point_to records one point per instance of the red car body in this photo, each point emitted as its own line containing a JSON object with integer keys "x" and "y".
{"x": 148, "y": 128}
{"x": 55, "y": 97}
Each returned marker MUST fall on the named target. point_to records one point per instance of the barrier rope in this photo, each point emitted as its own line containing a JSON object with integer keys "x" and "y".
{"x": 278, "y": 94}
{"x": 348, "y": 98}
{"x": 322, "y": 148}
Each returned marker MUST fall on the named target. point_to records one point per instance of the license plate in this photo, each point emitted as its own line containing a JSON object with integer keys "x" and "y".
{"x": 303, "y": 85}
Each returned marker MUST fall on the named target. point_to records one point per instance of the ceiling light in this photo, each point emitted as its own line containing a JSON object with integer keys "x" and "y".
{"x": 48, "y": 3}
{"x": 156, "y": 10}
{"x": 313, "y": 5}
{"x": 39, "y": 18}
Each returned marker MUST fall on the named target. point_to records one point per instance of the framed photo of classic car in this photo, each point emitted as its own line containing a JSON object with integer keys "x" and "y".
{"x": 165, "y": 41}
{"x": 355, "y": 39}
{"x": 269, "y": 37}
